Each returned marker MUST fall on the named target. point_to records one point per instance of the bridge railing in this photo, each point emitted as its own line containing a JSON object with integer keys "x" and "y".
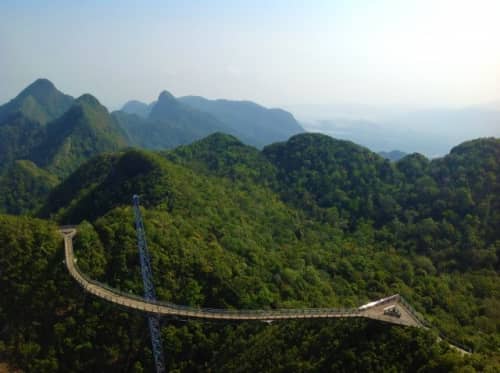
{"x": 428, "y": 325}
{"x": 197, "y": 310}
{"x": 85, "y": 280}
{"x": 264, "y": 313}
{"x": 414, "y": 312}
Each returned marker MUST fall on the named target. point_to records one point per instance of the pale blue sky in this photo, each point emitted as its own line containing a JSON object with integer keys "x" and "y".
{"x": 279, "y": 53}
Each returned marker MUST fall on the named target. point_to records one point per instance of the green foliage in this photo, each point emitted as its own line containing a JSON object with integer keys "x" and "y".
{"x": 309, "y": 223}
{"x": 333, "y": 346}
{"x": 47, "y": 323}
{"x": 318, "y": 173}
{"x": 225, "y": 156}
{"x": 447, "y": 209}
{"x": 24, "y": 187}
{"x": 54, "y": 131}
{"x": 18, "y": 135}
{"x": 39, "y": 102}
{"x": 55, "y": 146}
{"x": 84, "y": 131}
{"x": 62, "y": 329}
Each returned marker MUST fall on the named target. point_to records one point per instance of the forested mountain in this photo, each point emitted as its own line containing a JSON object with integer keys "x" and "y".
{"x": 58, "y": 133}
{"x": 138, "y": 108}
{"x": 69, "y": 331}
{"x": 21, "y": 119}
{"x": 45, "y": 135}
{"x": 446, "y": 208}
{"x": 256, "y": 125}
{"x": 83, "y": 131}
{"x": 169, "y": 121}
{"x": 228, "y": 228}
{"x": 310, "y": 222}
{"x": 44, "y": 125}
{"x": 24, "y": 187}
{"x": 54, "y": 131}
{"x": 224, "y": 155}
{"x": 336, "y": 178}
{"x": 18, "y": 136}
{"x": 39, "y": 102}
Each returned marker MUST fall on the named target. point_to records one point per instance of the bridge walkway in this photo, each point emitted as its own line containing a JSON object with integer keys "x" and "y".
{"x": 374, "y": 310}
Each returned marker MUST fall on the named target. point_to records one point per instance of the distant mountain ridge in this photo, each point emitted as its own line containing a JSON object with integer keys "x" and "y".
{"x": 432, "y": 132}
{"x": 138, "y": 108}
{"x": 257, "y": 125}
{"x": 168, "y": 123}
{"x": 169, "y": 109}
{"x": 177, "y": 121}
{"x": 393, "y": 155}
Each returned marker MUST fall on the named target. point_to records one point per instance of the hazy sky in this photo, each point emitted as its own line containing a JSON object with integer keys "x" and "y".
{"x": 278, "y": 53}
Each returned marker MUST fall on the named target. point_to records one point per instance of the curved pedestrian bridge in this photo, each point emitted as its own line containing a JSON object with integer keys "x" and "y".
{"x": 393, "y": 309}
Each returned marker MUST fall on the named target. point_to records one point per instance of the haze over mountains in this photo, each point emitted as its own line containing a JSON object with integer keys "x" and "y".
{"x": 45, "y": 125}
{"x": 432, "y": 132}
{"x": 278, "y": 157}
{"x": 251, "y": 123}
{"x": 55, "y": 133}
{"x": 308, "y": 221}
{"x": 169, "y": 121}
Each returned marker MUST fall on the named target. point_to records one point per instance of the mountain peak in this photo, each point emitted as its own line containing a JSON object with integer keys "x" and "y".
{"x": 90, "y": 130}
{"x": 88, "y": 99}
{"x": 41, "y": 101}
{"x": 166, "y": 96}
{"x": 166, "y": 108}
{"x": 38, "y": 89}
{"x": 43, "y": 83}
{"x": 221, "y": 138}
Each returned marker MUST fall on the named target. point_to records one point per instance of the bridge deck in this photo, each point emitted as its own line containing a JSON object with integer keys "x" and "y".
{"x": 373, "y": 310}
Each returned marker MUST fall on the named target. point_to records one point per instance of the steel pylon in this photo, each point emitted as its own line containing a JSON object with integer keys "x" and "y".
{"x": 149, "y": 289}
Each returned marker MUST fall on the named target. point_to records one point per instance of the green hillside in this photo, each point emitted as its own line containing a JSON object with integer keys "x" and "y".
{"x": 54, "y": 132}
{"x": 229, "y": 226}
{"x": 224, "y": 155}
{"x": 61, "y": 329}
{"x": 18, "y": 136}
{"x": 447, "y": 208}
{"x": 22, "y": 117}
{"x": 337, "y": 179}
{"x": 39, "y": 102}
{"x": 24, "y": 187}
{"x": 85, "y": 130}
